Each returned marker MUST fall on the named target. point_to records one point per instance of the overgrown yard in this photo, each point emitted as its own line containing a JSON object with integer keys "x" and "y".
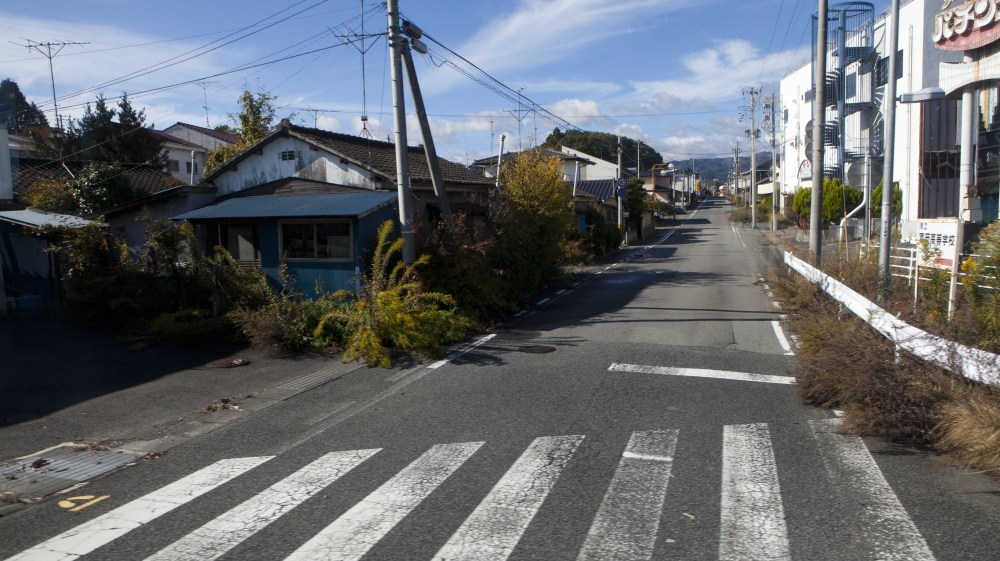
{"x": 846, "y": 364}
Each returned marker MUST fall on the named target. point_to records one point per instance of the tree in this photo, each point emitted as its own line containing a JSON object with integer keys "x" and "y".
{"x": 99, "y": 137}
{"x": 533, "y": 218}
{"x": 635, "y": 199}
{"x": 605, "y": 146}
{"x": 17, "y": 114}
{"x": 838, "y": 200}
{"x": 52, "y": 196}
{"x": 255, "y": 120}
{"x": 102, "y": 186}
{"x": 897, "y": 201}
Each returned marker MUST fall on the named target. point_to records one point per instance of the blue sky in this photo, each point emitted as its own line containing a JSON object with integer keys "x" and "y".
{"x": 669, "y": 72}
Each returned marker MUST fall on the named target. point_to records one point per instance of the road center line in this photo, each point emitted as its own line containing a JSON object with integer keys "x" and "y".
{"x": 701, "y": 373}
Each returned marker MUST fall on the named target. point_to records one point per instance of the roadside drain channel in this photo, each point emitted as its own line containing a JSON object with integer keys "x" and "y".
{"x": 61, "y": 467}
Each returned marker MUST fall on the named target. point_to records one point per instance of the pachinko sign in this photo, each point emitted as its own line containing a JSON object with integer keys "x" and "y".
{"x": 969, "y": 26}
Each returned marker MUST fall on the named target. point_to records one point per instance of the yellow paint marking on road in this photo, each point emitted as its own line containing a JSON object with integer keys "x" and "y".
{"x": 72, "y": 506}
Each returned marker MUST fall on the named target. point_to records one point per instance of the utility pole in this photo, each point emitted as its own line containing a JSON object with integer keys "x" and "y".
{"x": 819, "y": 124}
{"x": 396, "y": 43}
{"x": 620, "y": 199}
{"x": 753, "y": 133}
{"x": 736, "y": 169}
{"x": 769, "y": 103}
{"x": 885, "y": 241}
{"x": 425, "y": 127}
{"x": 47, "y": 53}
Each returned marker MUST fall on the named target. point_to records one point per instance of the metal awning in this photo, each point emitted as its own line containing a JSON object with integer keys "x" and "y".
{"x": 294, "y": 206}
{"x": 39, "y": 219}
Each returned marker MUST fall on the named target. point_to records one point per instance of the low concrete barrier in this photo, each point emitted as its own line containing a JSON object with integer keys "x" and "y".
{"x": 974, "y": 364}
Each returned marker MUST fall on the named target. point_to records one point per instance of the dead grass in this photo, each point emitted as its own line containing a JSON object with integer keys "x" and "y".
{"x": 845, "y": 364}
{"x": 970, "y": 428}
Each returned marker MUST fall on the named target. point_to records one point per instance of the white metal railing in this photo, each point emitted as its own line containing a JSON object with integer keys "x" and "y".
{"x": 908, "y": 262}
{"x": 974, "y": 364}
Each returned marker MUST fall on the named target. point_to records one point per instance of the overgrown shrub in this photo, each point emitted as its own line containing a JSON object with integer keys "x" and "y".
{"x": 285, "y": 325}
{"x": 392, "y": 308}
{"x": 461, "y": 265}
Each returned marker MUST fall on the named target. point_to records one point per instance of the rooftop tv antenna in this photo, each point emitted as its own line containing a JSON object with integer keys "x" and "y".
{"x": 45, "y": 49}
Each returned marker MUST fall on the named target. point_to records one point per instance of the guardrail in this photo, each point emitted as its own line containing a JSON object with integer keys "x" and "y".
{"x": 974, "y": 364}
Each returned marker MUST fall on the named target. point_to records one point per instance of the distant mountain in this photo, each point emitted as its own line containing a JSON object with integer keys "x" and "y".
{"x": 720, "y": 168}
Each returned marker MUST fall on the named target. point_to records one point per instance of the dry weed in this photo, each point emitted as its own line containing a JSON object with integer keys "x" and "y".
{"x": 970, "y": 428}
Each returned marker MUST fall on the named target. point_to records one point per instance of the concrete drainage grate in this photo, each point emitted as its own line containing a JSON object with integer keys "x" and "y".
{"x": 55, "y": 469}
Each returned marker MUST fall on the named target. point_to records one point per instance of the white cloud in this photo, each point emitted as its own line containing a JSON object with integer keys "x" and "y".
{"x": 538, "y": 32}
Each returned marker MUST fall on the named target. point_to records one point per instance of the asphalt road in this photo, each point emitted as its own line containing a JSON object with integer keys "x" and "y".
{"x": 644, "y": 414}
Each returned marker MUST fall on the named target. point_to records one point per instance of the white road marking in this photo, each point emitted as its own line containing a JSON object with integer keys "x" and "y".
{"x": 561, "y": 292}
{"x": 81, "y": 540}
{"x": 461, "y": 352}
{"x": 702, "y": 373}
{"x": 361, "y": 527}
{"x": 628, "y": 520}
{"x": 781, "y": 338}
{"x": 752, "y": 515}
{"x": 215, "y": 538}
{"x": 885, "y": 526}
{"x": 543, "y": 302}
{"x": 493, "y": 529}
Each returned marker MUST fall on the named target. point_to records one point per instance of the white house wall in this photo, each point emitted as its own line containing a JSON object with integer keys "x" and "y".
{"x": 195, "y": 137}
{"x": 309, "y": 163}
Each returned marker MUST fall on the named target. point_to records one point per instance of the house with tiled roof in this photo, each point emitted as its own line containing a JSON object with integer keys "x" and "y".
{"x": 185, "y": 160}
{"x": 209, "y": 139}
{"x": 312, "y": 200}
{"x": 574, "y": 166}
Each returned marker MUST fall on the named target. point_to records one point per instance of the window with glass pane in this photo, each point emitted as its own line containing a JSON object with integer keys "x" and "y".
{"x": 322, "y": 240}
{"x": 333, "y": 240}
{"x": 298, "y": 241}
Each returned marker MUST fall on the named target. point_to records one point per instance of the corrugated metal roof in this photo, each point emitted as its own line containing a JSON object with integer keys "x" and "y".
{"x": 294, "y": 206}
{"x": 37, "y": 218}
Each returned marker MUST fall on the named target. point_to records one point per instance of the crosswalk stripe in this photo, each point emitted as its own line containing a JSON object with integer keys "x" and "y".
{"x": 628, "y": 520}
{"x": 496, "y": 525}
{"x": 361, "y": 527}
{"x": 702, "y": 373}
{"x": 87, "y": 537}
{"x": 215, "y": 538}
{"x": 753, "y": 519}
{"x": 885, "y": 525}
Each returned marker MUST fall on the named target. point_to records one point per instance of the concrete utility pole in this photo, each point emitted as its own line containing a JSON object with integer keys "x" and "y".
{"x": 966, "y": 182}
{"x": 819, "y": 123}
{"x": 425, "y": 129}
{"x": 396, "y": 41}
{"x": 885, "y": 236}
{"x": 752, "y": 133}
{"x": 770, "y": 103}
{"x": 619, "y": 176}
{"x": 503, "y": 137}
{"x": 736, "y": 169}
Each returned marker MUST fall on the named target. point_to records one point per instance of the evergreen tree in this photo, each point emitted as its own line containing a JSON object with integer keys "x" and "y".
{"x": 604, "y": 146}
{"x": 17, "y": 114}
{"x": 113, "y": 134}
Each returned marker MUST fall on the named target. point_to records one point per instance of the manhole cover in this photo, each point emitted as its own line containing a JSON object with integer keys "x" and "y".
{"x": 231, "y": 362}
{"x": 536, "y": 349}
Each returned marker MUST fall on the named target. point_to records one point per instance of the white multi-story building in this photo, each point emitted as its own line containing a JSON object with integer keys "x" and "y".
{"x": 927, "y": 137}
